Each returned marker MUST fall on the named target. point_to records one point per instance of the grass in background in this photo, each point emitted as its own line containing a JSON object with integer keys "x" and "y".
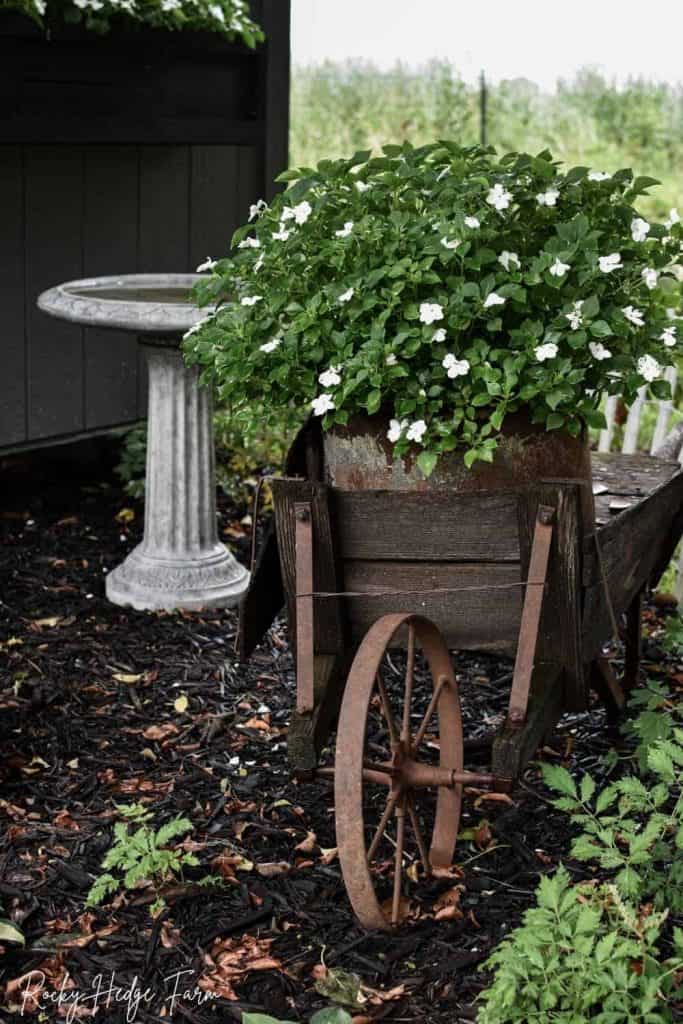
{"x": 339, "y": 108}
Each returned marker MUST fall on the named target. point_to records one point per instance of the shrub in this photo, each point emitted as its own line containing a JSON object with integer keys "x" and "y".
{"x": 447, "y": 287}
{"x": 227, "y": 17}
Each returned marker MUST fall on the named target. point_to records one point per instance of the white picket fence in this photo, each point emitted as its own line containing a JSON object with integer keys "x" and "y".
{"x": 629, "y": 443}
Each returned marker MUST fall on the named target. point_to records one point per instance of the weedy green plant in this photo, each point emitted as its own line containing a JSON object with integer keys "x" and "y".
{"x": 330, "y": 1015}
{"x": 582, "y": 954}
{"x": 226, "y": 17}
{"x": 247, "y": 444}
{"x": 141, "y": 853}
{"x": 605, "y": 950}
{"x": 448, "y": 288}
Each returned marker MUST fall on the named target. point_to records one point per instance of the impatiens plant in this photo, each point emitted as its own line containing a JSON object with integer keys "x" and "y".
{"x": 446, "y": 288}
{"x": 228, "y": 17}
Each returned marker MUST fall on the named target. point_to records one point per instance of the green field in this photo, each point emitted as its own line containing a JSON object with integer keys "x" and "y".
{"x": 338, "y": 108}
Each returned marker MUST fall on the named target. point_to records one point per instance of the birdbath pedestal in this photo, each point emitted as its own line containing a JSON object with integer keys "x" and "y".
{"x": 180, "y": 563}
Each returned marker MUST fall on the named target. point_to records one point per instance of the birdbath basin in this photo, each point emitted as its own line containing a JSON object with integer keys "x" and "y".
{"x": 180, "y": 563}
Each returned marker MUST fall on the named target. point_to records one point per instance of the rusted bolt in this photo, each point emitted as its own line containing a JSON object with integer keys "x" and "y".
{"x": 303, "y": 515}
{"x": 546, "y": 516}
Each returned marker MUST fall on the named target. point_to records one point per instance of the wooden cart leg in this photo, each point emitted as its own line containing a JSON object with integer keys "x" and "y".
{"x": 608, "y": 688}
{"x": 516, "y": 744}
{"x": 309, "y": 731}
{"x": 633, "y": 643}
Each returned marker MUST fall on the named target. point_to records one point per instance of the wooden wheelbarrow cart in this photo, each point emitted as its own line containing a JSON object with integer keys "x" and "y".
{"x": 363, "y": 573}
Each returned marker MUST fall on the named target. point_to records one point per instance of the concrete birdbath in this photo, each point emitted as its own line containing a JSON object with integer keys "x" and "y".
{"x": 180, "y": 563}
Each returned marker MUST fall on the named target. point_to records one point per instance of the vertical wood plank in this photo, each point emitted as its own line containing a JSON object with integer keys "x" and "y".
{"x": 606, "y": 435}
{"x": 632, "y": 427}
{"x": 276, "y": 22}
{"x": 215, "y": 210}
{"x": 12, "y": 380}
{"x": 110, "y": 232}
{"x": 53, "y": 253}
{"x": 559, "y": 639}
{"x": 664, "y": 411}
{"x": 163, "y": 243}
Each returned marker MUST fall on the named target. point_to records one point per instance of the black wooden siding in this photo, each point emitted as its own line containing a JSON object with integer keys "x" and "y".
{"x": 71, "y": 208}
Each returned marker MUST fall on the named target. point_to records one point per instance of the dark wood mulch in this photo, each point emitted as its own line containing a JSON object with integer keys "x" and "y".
{"x": 89, "y": 721}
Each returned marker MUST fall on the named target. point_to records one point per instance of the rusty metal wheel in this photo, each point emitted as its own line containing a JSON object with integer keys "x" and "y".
{"x": 396, "y": 773}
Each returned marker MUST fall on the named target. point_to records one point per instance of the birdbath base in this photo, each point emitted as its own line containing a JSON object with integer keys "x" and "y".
{"x": 180, "y": 562}
{"x": 147, "y": 583}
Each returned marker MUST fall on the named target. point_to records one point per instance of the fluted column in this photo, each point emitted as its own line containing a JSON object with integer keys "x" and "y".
{"x": 180, "y": 563}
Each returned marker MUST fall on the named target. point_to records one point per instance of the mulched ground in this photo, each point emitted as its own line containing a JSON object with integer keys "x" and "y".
{"x": 88, "y": 697}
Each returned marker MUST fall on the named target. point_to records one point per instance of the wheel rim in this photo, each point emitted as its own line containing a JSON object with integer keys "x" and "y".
{"x": 404, "y": 775}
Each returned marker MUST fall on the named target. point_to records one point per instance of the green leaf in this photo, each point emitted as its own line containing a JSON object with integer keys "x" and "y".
{"x": 331, "y": 1015}
{"x": 587, "y": 789}
{"x": 601, "y": 329}
{"x": 10, "y": 933}
{"x": 426, "y": 461}
{"x": 558, "y": 778}
{"x": 262, "y": 1018}
{"x": 374, "y": 401}
{"x": 554, "y": 421}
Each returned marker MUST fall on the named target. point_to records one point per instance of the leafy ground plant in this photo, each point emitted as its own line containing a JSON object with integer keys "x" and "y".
{"x": 330, "y": 1015}
{"x": 607, "y": 950}
{"x": 141, "y": 853}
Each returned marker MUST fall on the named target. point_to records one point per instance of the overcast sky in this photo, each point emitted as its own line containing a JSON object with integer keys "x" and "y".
{"x": 535, "y": 39}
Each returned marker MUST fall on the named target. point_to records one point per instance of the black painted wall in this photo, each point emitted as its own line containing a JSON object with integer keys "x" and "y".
{"x": 131, "y": 153}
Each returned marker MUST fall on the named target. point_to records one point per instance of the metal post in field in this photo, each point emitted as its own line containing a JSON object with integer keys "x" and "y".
{"x": 482, "y": 108}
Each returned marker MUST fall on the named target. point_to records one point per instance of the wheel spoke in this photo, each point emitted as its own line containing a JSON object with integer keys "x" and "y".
{"x": 398, "y": 860}
{"x": 419, "y": 838}
{"x": 388, "y": 713}
{"x": 408, "y": 699}
{"x": 420, "y": 734}
{"x": 383, "y": 822}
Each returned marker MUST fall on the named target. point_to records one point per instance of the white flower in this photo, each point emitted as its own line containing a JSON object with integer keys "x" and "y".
{"x": 170, "y": 5}
{"x": 249, "y": 243}
{"x": 472, "y": 222}
{"x": 598, "y": 176}
{"x": 548, "y": 198}
{"x": 362, "y": 186}
{"x": 639, "y": 229}
{"x": 547, "y": 351}
{"x": 672, "y": 314}
{"x": 439, "y": 334}
{"x": 650, "y": 277}
{"x": 330, "y": 378}
{"x": 506, "y": 258}
{"x": 208, "y": 264}
{"x": 395, "y": 430}
{"x": 648, "y": 368}
{"x": 346, "y": 296}
{"x": 322, "y": 404}
{"x": 575, "y": 318}
{"x": 499, "y": 197}
{"x": 673, "y": 218}
{"x": 598, "y": 350}
{"x": 250, "y": 300}
{"x": 430, "y": 311}
{"x": 559, "y": 269}
{"x": 259, "y": 262}
{"x": 455, "y": 367}
{"x": 633, "y": 315}
{"x": 346, "y": 230}
{"x": 453, "y": 244}
{"x": 287, "y": 214}
{"x": 270, "y": 346}
{"x": 493, "y": 299}
{"x": 609, "y": 263}
{"x": 256, "y": 209}
{"x": 198, "y": 326}
{"x": 668, "y": 336}
{"x": 391, "y": 359}
{"x": 302, "y": 211}
{"x": 416, "y": 430}
{"x": 216, "y": 11}
{"x": 282, "y": 235}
